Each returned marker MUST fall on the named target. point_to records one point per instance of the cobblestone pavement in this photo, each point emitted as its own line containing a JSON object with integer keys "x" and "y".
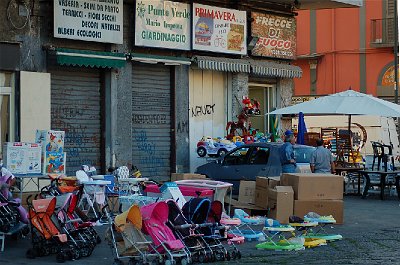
{"x": 371, "y": 236}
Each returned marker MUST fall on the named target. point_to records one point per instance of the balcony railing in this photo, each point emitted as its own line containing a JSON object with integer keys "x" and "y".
{"x": 382, "y": 32}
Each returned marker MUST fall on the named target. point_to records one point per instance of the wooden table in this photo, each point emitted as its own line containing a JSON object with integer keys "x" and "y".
{"x": 339, "y": 171}
{"x": 382, "y": 180}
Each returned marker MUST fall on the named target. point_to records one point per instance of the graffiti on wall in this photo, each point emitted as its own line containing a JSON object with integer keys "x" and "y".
{"x": 203, "y": 110}
{"x": 146, "y": 156}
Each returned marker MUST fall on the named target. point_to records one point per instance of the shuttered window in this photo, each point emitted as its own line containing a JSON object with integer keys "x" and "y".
{"x": 151, "y": 120}
{"x": 76, "y": 109}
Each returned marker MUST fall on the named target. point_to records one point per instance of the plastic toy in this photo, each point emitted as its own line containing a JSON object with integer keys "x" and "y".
{"x": 251, "y": 106}
{"x": 212, "y": 147}
{"x": 276, "y": 240}
{"x": 322, "y": 221}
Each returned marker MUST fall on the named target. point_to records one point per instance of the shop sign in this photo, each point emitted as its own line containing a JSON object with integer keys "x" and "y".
{"x": 219, "y": 29}
{"x": 297, "y": 100}
{"x": 388, "y": 77}
{"x": 89, "y": 20}
{"x": 276, "y": 36}
{"x": 162, "y": 24}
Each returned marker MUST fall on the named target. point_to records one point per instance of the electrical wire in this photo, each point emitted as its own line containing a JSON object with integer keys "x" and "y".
{"x": 14, "y": 4}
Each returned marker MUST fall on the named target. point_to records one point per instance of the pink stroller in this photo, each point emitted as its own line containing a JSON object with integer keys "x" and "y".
{"x": 155, "y": 216}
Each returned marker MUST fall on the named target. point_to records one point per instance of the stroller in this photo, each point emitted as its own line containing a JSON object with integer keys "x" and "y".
{"x": 46, "y": 236}
{"x": 186, "y": 232}
{"x": 127, "y": 240}
{"x": 74, "y": 227}
{"x": 155, "y": 216}
{"x": 197, "y": 210}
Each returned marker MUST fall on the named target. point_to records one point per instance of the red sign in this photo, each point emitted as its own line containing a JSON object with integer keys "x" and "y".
{"x": 276, "y": 36}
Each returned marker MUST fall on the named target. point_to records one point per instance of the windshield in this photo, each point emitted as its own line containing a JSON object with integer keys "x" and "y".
{"x": 303, "y": 154}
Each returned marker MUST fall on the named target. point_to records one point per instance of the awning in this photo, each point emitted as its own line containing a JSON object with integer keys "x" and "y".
{"x": 90, "y": 58}
{"x": 222, "y": 64}
{"x": 153, "y": 59}
{"x": 263, "y": 68}
{"x": 273, "y": 69}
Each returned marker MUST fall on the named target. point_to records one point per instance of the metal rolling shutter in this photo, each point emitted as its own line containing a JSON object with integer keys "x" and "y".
{"x": 75, "y": 109}
{"x": 151, "y": 120}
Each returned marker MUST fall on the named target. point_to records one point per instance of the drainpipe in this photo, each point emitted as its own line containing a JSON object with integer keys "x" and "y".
{"x": 333, "y": 50}
{"x": 396, "y": 54}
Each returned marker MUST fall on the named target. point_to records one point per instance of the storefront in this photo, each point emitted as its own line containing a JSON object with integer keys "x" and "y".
{"x": 152, "y": 116}
{"x": 78, "y": 103}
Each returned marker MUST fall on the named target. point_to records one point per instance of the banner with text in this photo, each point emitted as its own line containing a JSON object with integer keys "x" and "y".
{"x": 89, "y": 20}
{"x": 162, "y": 24}
{"x": 276, "y": 36}
{"x": 218, "y": 29}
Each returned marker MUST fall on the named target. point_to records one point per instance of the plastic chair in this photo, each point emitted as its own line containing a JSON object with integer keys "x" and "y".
{"x": 112, "y": 192}
{"x": 380, "y": 156}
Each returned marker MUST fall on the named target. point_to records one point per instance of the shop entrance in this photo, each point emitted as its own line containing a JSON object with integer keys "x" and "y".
{"x": 267, "y": 96}
{"x": 6, "y": 107}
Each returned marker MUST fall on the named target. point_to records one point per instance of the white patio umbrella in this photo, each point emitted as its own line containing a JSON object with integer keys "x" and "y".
{"x": 348, "y": 102}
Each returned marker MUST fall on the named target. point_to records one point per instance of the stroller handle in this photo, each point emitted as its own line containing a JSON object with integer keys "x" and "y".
{"x": 185, "y": 226}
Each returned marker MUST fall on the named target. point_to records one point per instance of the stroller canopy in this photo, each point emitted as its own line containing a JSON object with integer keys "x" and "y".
{"x": 44, "y": 205}
{"x": 196, "y": 210}
{"x": 131, "y": 215}
{"x": 158, "y": 211}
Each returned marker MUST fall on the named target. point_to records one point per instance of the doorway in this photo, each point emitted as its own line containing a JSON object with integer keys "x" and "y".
{"x": 267, "y": 96}
{"x": 6, "y": 108}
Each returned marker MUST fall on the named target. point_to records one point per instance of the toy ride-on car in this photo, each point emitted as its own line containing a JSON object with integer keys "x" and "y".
{"x": 211, "y": 147}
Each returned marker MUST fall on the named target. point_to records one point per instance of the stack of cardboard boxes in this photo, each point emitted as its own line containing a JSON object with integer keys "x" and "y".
{"x": 276, "y": 199}
{"x": 320, "y": 193}
{"x": 296, "y": 194}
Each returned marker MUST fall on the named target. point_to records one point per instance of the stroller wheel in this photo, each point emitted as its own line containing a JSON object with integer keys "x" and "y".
{"x": 186, "y": 261}
{"x": 85, "y": 251}
{"x": 60, "y": 257}
{"x": 202, "y": 259}
{"x": 233, "y": 254}
{"x": 219, "y": 256}
{"x": 118, "y": 262}
{"x": 208, "y": 257}
{"x": 228, "y": 256}
{"x": 75, "y": 254}
{"x": 31, "y": 253}
{"x": 98, "y": 239}
{"x": 238, "y": 255}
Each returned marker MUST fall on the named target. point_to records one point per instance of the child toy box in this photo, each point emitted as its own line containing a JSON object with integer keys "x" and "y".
{"x": 52, "y": 141}
{"x": 170, "y": 190}
{"x": 23, "y": 158}
{"x": 54, "y": 162}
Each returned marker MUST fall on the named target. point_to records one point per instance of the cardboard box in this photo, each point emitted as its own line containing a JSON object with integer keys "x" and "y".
{"x": 321, "y": 207}
{"x": 23, "y": 158}
{"x": 33, "y": 158}
{"x": 273, "y": 182}
{"x": 54, "y": 162}
{"x": 52, "y": 141}
{"x": 262, "y": 182}
{"x": 247, "y": 191}
{"x": 267, "y": 182}
{"x": 261, "y": 197}
{"x": 170, "y": 190}
{"x": 14, "y": 157}
{"x": 314, "y": 186}
{"x": 183, "y": 176}
{"x": 280, "y": 203}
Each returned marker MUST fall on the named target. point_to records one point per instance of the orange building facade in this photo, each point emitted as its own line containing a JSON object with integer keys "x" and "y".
{"x": 344, "y": 48}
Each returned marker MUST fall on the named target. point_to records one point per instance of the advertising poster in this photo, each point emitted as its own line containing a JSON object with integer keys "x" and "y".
{"x": 276, "y": 36}
{"x": 162, "y": 24}
{"x": 218, "y": 29}
{"x": 89, "y": 20}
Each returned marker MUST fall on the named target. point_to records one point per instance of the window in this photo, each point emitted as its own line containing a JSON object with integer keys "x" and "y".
{"x": 303, "y": 155}
{"x": 238, "y": 157}
{"x": 6, "y": 108}
{"x": 259, "y": 156}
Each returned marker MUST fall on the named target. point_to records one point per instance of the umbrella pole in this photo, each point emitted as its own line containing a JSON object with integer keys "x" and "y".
{"x": 349, "y": 125}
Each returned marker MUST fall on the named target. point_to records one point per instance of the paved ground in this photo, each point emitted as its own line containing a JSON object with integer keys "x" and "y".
{"x": 371, "y": 236}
